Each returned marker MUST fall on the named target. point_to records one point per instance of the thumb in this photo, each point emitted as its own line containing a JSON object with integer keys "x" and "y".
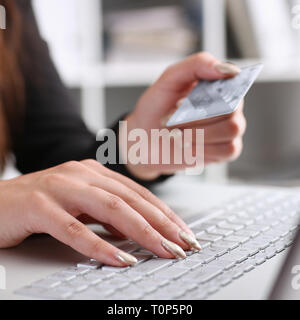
{"x": 179, "y": 77}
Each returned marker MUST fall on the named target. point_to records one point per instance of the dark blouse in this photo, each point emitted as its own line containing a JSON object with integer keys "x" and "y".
{"x": 53, "y": 131}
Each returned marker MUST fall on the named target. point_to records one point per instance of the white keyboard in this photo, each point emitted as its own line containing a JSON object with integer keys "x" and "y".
{"x": 237, "y": 237}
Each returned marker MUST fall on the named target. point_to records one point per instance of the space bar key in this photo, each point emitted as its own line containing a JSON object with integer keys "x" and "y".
{"x": 152, "y": 265}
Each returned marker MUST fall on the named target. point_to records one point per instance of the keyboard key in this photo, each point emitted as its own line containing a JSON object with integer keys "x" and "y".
{"x": 188, "y": 264}
{"x": 198, "y": 294}
{"x": 203, "y": 227}
{"x": 62, "y": 276}
{"x": 237, "y": 274}
{"x": 215, "y": 250}
{"x": 224, "y": 264}
{"x": 258, "y": 227}
{"x": 76, "y": 270}
{"x": 260, "y": 261}
{"x": 46, "y": 283}
{"x": 280, "y": 246}
{"x": 130, "y": 293}
{"x": 241, "y": 221}
{"x": 204, "y": 274}
{"x": 270, "y": 252}
{"x": 90, "y": 264}
{"x": 142, "y": 257}
{"x": 204, "y": 244}
{"x": 226, "y": 281}
{"x": 239, "y": 239}
{"x": 93, "y": 294}
{"x": 251, "y": 249}
{"x": 221, "y": 232}
{"x": 249, "y": 268}
{"x": 34, "y": 292}
{"x": 58, "y": 293}
{"x": 152, "y": 266}
{"x": 230, "y": 226}
{"x": 92, "y": 279}
{"x": 104, "y": 288}
{"x": 177, "y": 290}
{"x": 129, "y": 247}
{"x": 203, "y": 258}
{"x": 147, "y": 285}
{"x": 229, "y": 245}
{"x": 78, "y": 284}
{"x": 247, "y": 233}
{"x": 131, "y": 275}
{"x": 209, "y": 237}
{"x": 266, "y": 239}
{"x": 261, "y": 245}
{"x": 114, "y": 269}
{"x": 237, "y": 255}
{"x": 118, "y": 282}
{"x": 170, "y": 273}
{"x": 98, "y": 274}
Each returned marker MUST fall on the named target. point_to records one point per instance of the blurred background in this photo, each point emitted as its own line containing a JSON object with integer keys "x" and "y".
{"x": 107, "y": 52}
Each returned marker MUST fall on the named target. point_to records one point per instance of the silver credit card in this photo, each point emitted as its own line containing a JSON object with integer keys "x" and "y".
{"x": 215, "y": 98}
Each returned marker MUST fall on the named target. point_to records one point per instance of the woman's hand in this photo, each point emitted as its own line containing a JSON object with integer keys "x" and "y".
{"x": 223, "y": 135}
{"x": 55, "y": 201}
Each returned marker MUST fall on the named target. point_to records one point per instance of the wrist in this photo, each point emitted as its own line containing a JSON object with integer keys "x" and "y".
{"x": 140, "y": 171}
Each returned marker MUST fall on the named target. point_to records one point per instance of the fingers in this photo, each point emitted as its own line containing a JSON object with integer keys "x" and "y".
{"x": 222, "y": 131}
{"x": 200, "y": 66}
{"x": 81, "y": 198}
{"x": 225, "y": 131}
{"x": 151, "y": 213}
{"x": 112, "y": 210}
{"x": 107, "y": 207}
{"x": 140, "y": 190}
{"x": 224, "y": 151}
{"x": 85, "y": 219}
{"x": 73, "y": 233}
{"x": 205, "y": 122}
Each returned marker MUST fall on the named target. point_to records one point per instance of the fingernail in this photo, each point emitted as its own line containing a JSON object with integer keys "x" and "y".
{"x": 228, "y": 68}
{"x": 179, "y": 103}
{"x": 164, "y": 121}
{"x": 126, "y": 258}
{"x": 173, "y": 248}
{"x": 190, "y": 240}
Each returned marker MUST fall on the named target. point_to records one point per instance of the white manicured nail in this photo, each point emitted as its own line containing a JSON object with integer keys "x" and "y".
{"x": 164, "y": 121}
{"x": 228, "y": 68}
{"x": 126, "y": 258}
{"x": 173, "y": 248}
{"x": 179, "y": 103}
{"x": 190, "y": 240}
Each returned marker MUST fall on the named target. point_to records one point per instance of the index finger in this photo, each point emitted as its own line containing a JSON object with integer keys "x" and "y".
{"x": 213, "y": 120}
{"x": 142, "y": 191}
{"x": 67, "y": 229}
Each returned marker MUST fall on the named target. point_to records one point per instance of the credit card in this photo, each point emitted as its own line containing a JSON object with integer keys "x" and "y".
{"x": 215, "y": 98}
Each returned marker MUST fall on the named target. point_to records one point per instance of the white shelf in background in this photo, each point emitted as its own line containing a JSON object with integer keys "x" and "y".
{"x": 117, "y": 74}
{"x": 132, "y": 74}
